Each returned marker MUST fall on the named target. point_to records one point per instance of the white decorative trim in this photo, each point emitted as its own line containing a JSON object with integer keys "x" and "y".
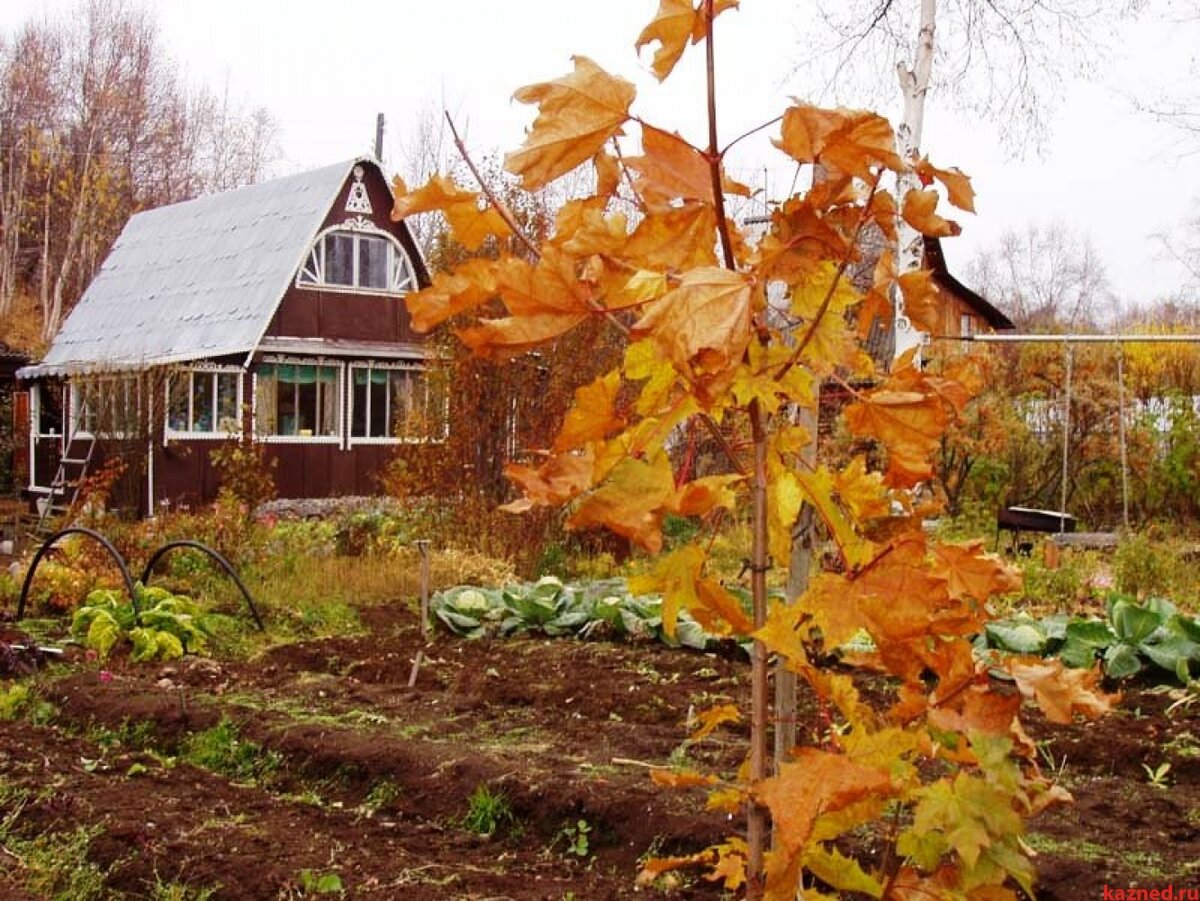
{"x": 357, "y": 200}
{"x": 361, "y": 224}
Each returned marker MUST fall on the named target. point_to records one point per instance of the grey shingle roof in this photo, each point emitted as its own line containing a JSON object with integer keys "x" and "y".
{"x": 196, "y": 279}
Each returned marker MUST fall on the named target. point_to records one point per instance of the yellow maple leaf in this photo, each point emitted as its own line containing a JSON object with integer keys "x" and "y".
{"x": 674, "y": 577}
{"x": 703, "y": 325}
{"x": 593, "y": 416}
{"x": 862, "y": 492}
{"x": 712, "y": 717}
{"x": 631, "y": 502}
{"x": 576, "y": 115}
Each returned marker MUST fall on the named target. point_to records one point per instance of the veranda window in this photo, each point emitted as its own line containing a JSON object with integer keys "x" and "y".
{"x": 297, "y": 400}
{"x": 204, "y": 402}
{"x": 394, "y": 403}
{"x": 107, "y": 405}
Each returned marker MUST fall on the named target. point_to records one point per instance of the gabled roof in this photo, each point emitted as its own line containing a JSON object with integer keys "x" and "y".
{"x": 935, "y": 259}
{"x": 197, "y": 279}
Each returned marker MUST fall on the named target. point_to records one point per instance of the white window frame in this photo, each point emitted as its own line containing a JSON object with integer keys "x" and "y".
{"x": 75, "y": 392}
{"x": 339, "y": 390}
{"x": 967, "y": 324}
{"x": 415, "y": 366}
{"x": 402, "y": 276}
{"x": 216, "y": 433}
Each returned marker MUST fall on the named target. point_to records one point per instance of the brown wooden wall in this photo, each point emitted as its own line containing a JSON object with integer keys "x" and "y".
{"x": 315, "y": 313}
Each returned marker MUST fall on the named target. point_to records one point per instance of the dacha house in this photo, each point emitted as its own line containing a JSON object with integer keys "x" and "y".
{"x": 274, "y": 311}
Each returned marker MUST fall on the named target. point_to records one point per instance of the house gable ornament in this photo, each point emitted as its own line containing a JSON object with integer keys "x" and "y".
{"x": 357, "y": 200}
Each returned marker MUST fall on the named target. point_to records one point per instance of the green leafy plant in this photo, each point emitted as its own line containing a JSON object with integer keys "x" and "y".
{"x": 164, "y": 627}
{"x": 550, "y": 607}
{"x": 574, "y": 836}
{"x": 1131, "y": 634}
{"x": 312, "y": 882}
{"x": 1157, "y": 776}
{"x": 488, "y": 812}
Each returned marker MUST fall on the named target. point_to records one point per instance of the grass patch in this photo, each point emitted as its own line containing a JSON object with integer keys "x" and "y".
{"x": 53, "y": 865}
{"x": 489, "y": 812}
{"x": 222, "y": 750}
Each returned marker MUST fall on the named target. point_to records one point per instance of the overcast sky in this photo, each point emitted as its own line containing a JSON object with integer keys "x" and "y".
{"x": 324, "y": 71}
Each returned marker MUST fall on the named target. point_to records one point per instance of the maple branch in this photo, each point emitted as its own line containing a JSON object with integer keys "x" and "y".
{"x": 713, "y": 155}
{"x": 637, "y": 197}
{"x": 722, "y": 442}
{"x": 507, "y": 216}
{"x": 497, "y": 204}
{"x": 755, "y": 130}
{"x": 828, "y": 299}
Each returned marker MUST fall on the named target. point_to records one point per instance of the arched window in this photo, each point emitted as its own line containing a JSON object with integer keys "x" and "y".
{"x": 358, "y": 261}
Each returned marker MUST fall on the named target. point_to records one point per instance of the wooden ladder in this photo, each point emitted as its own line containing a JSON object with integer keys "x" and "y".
{"x": 73, "y": 467}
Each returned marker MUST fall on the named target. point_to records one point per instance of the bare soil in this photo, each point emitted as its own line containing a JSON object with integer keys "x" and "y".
{"x": 369, "y": 778}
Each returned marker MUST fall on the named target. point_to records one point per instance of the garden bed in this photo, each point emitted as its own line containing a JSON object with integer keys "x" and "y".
{"x": 322, "y": 762}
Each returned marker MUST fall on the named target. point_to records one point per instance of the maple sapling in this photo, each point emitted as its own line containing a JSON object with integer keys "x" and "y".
{"x": 685, "y": 289}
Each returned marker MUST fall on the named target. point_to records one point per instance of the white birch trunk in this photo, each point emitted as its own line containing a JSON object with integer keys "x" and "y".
{"x": 914, "y": 85}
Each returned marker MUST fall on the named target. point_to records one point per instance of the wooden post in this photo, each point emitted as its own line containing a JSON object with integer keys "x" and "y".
{"x": 423, "y": 549}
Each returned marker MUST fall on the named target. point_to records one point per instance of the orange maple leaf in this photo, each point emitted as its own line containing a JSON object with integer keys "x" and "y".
{"x": 681, "y": 778}
{"x": 922, "y": 301}
{"x": 675, "y": 22}
{"x": 849, "y": 141}
{"x": 819, "y": 782}
{"x": 1058, "y": 691}
{"x": 670, "y": 169}
{"x": 576, "y": 115}
{"x": 593, "y": 415}
{"x": 974, "y": 573}
{"x": 908, "y": 423}
{"x": 451, "y": 293}
{"x": 553, "y": 483}
{"x": 956, "y": 182}
{"x": 471, "y": 220}
{"x": 919, "y": 211}
{"x": 676, "y": 239}
{"x": 545, "y": 300}
{"x": 631, "y": 502}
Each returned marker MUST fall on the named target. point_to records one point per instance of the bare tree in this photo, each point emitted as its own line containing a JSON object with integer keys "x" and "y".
{"x": 94, "y": 126}
{"x": 1002, "y": 61}
{"x": 1045, "y": 278}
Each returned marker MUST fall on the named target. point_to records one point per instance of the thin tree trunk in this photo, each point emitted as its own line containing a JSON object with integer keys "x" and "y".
{"x": 914, "y": 85}
{"x": 799, "y": 571}
{"x": 756, "y": 817}
{"x": 53, "y": 311}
